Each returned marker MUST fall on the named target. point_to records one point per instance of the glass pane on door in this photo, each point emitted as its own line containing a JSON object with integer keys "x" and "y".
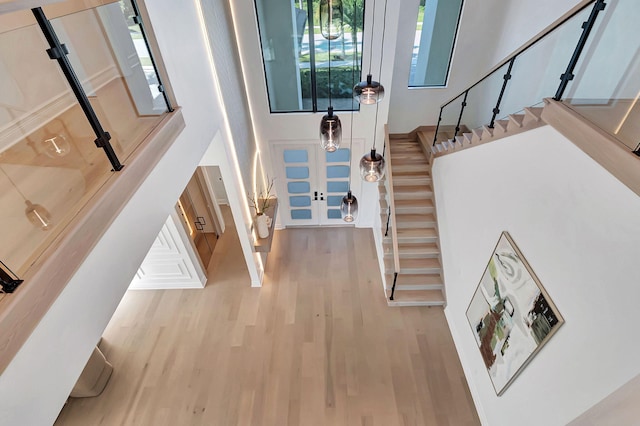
{"x": 299, "y": 189}
{"x": 337, "y": 183}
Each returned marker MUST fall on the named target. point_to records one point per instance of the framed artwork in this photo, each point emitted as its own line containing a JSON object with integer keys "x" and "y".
{"x": 511, "y": 315}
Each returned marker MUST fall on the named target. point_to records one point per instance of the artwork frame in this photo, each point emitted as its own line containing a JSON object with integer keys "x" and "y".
{"x": 512, "y": 321}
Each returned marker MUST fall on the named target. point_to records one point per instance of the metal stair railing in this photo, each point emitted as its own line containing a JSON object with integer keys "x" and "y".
{"x": 391, "y": 219}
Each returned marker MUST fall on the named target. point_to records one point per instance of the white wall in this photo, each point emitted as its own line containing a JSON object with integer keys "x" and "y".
{"x": 34, "y": 387}
{"x": 234, "y": 148}
{"x": 489, "y": 31}
{"x": 577, "y": 227}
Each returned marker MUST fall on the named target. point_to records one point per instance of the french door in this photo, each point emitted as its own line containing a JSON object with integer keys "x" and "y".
{"x": 312, "y": 182}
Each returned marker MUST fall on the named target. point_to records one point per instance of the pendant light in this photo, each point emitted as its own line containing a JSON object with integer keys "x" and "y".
{"x": 55, "y": 146}
{"x": 349, "y": 204}
{"x": 330, "y": 131}
{"x": 371, "y": 92}
{"x": 331, "y": 17}
{"x": 349, "y": 207}
{"x": 372, "y": 164}
{"x": 37, "y": 214}
{"x": 330, "y": 126}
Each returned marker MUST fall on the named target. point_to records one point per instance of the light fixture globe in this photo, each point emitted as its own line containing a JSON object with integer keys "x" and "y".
{"x": 349, "y": 207}
{"x": 331, "y": 19}
{"x": 368, "y": 92}
{"x": 38, "y": 216}
{"x": 330, "y": 131}
{"x": 372, "y": 166}
{"x": 55, "y": 146}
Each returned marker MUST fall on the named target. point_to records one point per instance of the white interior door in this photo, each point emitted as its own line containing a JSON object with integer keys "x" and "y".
{"x": 311, "y": 183}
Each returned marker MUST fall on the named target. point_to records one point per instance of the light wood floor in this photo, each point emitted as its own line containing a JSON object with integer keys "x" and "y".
{"x": 316, "y": 345}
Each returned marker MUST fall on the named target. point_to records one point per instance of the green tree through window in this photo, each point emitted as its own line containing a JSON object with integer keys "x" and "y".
{"x": 296, "y": 57}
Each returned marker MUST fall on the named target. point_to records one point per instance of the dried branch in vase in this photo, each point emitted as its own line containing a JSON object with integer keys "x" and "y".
{"x": 262, "y": 200}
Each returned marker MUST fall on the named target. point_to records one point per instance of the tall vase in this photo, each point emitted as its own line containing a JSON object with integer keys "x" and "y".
{"x": 263, "y": 227}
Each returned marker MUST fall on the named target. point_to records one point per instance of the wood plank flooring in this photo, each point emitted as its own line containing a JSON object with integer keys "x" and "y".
{"x": 316, "y": 345}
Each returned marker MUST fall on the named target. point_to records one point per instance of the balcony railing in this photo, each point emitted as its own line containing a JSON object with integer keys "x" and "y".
{"x": 72, "y": 89}
{"x": 590, "y": 61}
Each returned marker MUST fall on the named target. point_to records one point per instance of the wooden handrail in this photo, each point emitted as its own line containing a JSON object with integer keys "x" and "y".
{"x": 542, "y": 34}
{"x": 394, "y": 229}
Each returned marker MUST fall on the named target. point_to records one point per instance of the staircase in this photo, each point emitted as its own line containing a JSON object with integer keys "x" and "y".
{"x": 419, "y": 281}
{"x": 407, "y": 193}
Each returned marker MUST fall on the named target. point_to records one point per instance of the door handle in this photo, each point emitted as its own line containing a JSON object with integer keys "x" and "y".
{"x": 315, "y": 196}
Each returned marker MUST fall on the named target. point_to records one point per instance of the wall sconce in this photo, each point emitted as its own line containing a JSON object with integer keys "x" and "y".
{"x": 8, "y": 280}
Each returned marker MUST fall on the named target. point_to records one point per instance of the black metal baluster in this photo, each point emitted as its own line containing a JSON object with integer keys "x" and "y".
{"x": 393, "y": 288}
{"x": 386, "y": 232}
{"x": 464, "y": 104}
{"x": 506, "y": 78}
{"x": 586, "y": 29}
{"x": 58, "y": 52}
{"x": 9, "y": 281}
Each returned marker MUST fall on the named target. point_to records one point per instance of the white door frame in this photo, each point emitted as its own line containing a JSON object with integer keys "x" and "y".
{"x": 318, "y": 182}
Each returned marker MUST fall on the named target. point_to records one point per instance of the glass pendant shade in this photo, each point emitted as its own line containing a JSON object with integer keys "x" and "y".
{"x": 331, "y": 19}
{"x": 38, "y": 216}
{"x": 330, "y": 131}
{"x": 55, "y": 146}
{"x": 368, "y": 92}
{"x": 372, "y": 166}
{"x": 349, "y": 207}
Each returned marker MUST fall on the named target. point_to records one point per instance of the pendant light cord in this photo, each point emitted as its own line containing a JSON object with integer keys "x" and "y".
{"x": 329, "y": 40}
{"x": 384, "y": 27}
{"x": 384, "y": 30}
{"x": 353, "y": 83}
{"x": 373, "y": 20}
{"x": 14, "y": 185}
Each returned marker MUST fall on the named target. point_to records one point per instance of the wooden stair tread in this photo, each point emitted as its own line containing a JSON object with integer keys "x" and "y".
{"x": 398, "y": 174}
{"x": 416, "y": 298}
{"x": 424, "y": 263}
{"x": 415, "y": 279}
{"x": 418, "y": 202}
{"x": 412, "y": 188}
{"x": 417, "y": 233}
{"x": 418, "y": 250}
{"x": 409, "y": 218}
{"x": 403, "y": 168}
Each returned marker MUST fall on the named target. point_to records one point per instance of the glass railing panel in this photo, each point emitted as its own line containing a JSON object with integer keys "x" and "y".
{"x": 536, "y": 72}
{"x": 449, "y": 118}
{"x": 49, "y": 164}
{"x": 607, "y": 87}
{"x": 482, "y": 99}
{"x": 114, "y": 68}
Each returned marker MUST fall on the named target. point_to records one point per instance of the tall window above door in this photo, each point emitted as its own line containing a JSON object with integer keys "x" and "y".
{"x": 434, "y": 41}
{"x": 296, "y": 56}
